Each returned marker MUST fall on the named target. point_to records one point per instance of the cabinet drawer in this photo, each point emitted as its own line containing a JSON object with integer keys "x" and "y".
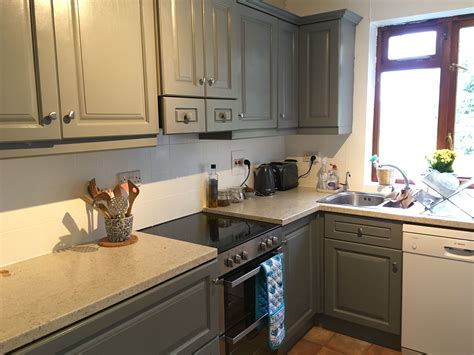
{"x": 183, "y": 115}
{"x": 222, "y": 115}
{"x": 370, "y": 231}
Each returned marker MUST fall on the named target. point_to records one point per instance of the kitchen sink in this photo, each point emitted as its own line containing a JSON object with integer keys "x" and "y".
{"x": 356, "y": 199}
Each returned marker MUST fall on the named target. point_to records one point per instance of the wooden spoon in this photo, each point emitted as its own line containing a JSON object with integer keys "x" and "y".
{"x": 133, "y": 192}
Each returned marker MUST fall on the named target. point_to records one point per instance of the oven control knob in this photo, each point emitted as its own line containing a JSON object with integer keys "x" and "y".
{"x": 262, "y": 246}
{"x": 275, "y": 240}
{"x": 244, "y": 255}
{"x": 237, "y": 259}
{"x": 229, "y": 262}
{"x": 269, "y": 243}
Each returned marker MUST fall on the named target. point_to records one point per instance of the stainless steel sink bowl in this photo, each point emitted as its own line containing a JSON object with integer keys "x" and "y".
{"x": 356, "y": 199}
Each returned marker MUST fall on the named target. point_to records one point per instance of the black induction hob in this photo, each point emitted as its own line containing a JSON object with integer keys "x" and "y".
{"x": 212, "y": 230}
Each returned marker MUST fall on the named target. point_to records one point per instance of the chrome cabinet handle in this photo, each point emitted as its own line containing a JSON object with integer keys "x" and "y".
{"x": 202, "y": 81}
{"x": 394, "y": 267}
{"x": 51, "y": 117}
{"x": 282, "y": 115}
{"x": 241, "y": 115}
{"x": 359, "y": 232}
{"x": 211, "y": 82}
{"x": 69, "y": 117}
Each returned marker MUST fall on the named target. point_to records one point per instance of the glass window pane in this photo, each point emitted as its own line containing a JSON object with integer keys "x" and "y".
{"x": 412, "y": 45}
{"x": 464, "y": 119}
{"x": 408, "y": 118}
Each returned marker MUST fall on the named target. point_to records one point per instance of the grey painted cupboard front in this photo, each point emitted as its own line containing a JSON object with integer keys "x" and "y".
{"x": 363, "y": 284}
{"x": 327, "y": 75}
{"x": 259, "y": 57}
{"x": 177, "y": 317}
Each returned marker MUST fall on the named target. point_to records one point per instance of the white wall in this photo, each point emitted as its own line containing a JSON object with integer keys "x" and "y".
{"x": 40, "y": 208}
{"x": 352, "y": 152}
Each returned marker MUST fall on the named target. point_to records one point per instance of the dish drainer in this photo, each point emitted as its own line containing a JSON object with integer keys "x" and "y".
{"x": 442, "y": 193}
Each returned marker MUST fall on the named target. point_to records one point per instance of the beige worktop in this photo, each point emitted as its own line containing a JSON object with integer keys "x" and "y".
{"x": 285, "y": 207}
{"x": 50, "y": 292}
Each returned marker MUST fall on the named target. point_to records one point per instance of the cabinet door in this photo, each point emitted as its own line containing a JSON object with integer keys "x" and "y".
{"x": 319, "y": 74}
{"x": 28, "y": 77}
{"x": 287, "y": 75}
{"x": 222, "y": 48}
{"x": 107, "y": 67}
{"x": 177, "y": 317}
{"x": 181, "y": 46}
{"x": 299, "y": 278}
{"x": 363, "y": 284}
{"x": 259, "y": 69}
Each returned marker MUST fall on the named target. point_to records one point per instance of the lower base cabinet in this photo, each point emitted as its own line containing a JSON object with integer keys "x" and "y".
{"x": 177, "y": 317}
{"x": 363, "y": 284}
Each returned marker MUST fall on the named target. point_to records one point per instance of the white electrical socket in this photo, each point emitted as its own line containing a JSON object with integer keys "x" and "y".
{"x": 307, "y": 156}
{"x": 134, "y": 176}
{"x": 237, "y": 162}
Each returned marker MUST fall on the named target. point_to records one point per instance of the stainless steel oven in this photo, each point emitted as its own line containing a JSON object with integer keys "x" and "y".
{"x": 240, "y": 331}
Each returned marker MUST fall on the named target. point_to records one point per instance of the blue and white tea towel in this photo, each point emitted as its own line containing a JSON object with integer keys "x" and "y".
{"x": 271, "y": 299}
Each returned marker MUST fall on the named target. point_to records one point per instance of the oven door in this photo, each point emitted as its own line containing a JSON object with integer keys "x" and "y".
{"x": 244, "y": 334}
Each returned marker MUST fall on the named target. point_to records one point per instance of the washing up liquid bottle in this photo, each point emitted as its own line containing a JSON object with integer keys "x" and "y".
{"x": 323, "y": 175}
{"x": 333, "y": 178}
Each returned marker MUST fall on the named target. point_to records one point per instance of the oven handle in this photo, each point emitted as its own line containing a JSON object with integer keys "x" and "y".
{"x": 246, "y": 331}
{"x": 248, "y": 275}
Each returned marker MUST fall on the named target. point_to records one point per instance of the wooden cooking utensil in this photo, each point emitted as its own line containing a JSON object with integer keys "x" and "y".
{"x": 98, "y": 206}
{"x": 118, "y": 190}
{"x": 118, "y": 205}
{"x": 93, "y": 189}
{"x": 133, "y": 192}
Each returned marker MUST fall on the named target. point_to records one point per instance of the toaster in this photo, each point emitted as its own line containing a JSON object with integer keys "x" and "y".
{"x": 286, "y": 174}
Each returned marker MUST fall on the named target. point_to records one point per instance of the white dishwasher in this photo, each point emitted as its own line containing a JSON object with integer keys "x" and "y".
{"x": 438, "y": 290}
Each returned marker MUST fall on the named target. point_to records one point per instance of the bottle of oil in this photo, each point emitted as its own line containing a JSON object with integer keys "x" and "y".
{"x": 212, "y": 190}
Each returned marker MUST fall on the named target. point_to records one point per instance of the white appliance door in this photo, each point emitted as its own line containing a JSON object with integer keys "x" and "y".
{"x": 438, "y": 303}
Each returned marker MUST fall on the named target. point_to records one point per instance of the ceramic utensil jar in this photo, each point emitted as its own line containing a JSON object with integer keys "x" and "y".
{"x": 118, "y": 229}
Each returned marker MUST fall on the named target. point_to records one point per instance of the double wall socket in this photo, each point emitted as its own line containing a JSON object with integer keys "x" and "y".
{"x": 237, "y": 162}
{"x": 135, "y": 176}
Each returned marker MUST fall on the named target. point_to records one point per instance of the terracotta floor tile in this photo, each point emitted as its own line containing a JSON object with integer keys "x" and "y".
{"x": 347, "y": 345}
{"x": 380, "y": 350}
{"x": 318, "y": 335}
{"x": 304, "y": 347}
{"x": 328, "y": 351}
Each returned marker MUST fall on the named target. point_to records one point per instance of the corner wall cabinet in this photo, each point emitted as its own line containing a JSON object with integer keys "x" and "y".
{"x": 327, "y": 74}
{"x": 103, "y": 72}
{"x": 176, "y": 317}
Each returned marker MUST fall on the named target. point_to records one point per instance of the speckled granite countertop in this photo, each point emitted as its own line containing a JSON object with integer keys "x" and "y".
{"x": 288, "y": 206}
{"x": 50, "y": 292}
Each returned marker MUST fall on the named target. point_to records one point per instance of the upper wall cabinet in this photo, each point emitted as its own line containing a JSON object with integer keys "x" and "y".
{"x": 199, "y": 44}
{"x": 327, "y": 73}
{"x": 259, "y": 69}
{"x": 107, "y": 67}
{"x": 287, "y": 75}
{"x": 29, "y": 99}
{"x": 104, "y": 72}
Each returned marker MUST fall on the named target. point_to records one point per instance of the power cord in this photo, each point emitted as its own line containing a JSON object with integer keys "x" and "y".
{"x": 312, "y": 159}
{"x": 246, "y": 162}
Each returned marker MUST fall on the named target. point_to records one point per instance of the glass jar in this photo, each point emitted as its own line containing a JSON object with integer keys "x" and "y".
{"x": 223, "y": 198}
{"x": 236, "y": 194}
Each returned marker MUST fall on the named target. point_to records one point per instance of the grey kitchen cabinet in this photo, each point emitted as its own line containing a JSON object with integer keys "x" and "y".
{"x": 327, "y": 74}
{"x": 176, "y": 317}
{"x": 96, "y": 59}
{"x": 29, "y": 99}
{"x": 199, "y": 44}
{"x": 259, "y": 62}
{"x": 287, "y": 75}
{"x": 363, "y": 284}
{"x": 300, "y": 277}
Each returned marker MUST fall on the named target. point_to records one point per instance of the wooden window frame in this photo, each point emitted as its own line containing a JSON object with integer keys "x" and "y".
{"x": 447, "y": 30}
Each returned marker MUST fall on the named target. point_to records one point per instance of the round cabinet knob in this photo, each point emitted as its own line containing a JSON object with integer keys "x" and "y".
{"x": 202, "y": 81}
{"x": 51, "y": 117}
{"x": 211, "y": 81}
{"x": 237, "y": 259}
{"x": 186, "y": 118}
{"x": 241, "y": 115}
{"x": 414, "y": 246}
{"x": 222, "y": 116}
{"x": 269, "y": 243}
{"x": 263, "y": 246}
{"x": 244, "y": 255}
{"x": 229, "y": 262}
{"x": 282, "y": 115}
{"x": 275, "y": 240}
{"x": 394, "y": 267}
{"x": 69, "y": 117}
{"x": 359, "y": 232}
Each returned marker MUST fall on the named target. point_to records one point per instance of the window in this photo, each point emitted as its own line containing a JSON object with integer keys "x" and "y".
{"x": 424, "y": 93}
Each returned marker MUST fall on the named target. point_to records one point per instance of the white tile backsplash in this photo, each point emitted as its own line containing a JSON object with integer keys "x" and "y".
{"x": 40, "y": 206}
